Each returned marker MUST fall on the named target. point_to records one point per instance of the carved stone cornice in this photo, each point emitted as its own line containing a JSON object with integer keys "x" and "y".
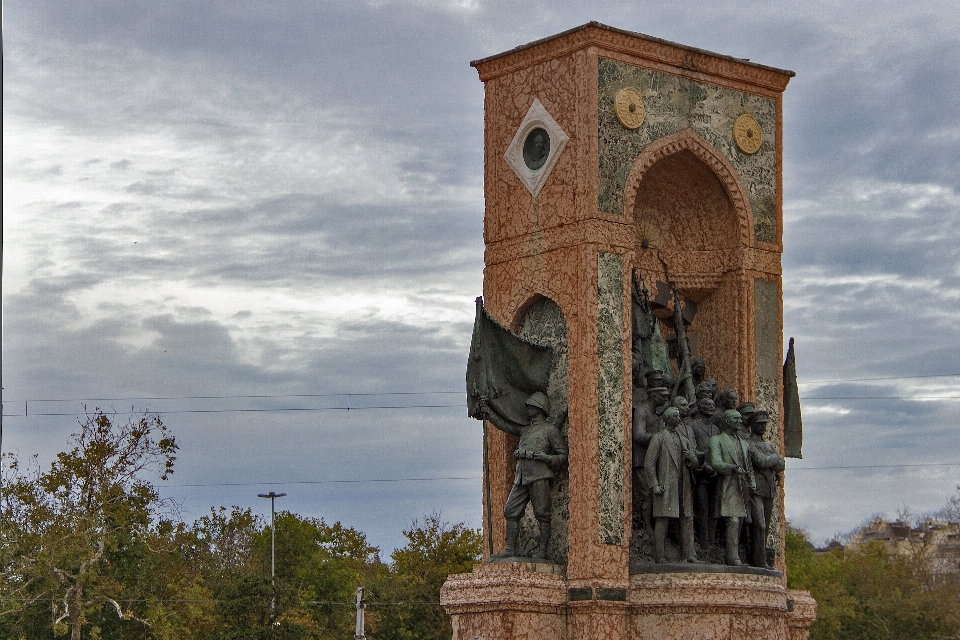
{"x": 682, "y": 59}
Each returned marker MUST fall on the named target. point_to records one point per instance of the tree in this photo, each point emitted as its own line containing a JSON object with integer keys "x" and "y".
{"x": 867, "y": 592}
{"x": 434, "y": 550}
{"x": 70, "y": 534}
{"x": 323, "y": 564}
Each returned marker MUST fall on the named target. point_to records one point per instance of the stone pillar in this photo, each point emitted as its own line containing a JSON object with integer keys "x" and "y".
{"x": 609, "y": 153}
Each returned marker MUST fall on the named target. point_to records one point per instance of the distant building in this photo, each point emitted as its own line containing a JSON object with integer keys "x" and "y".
{"x": 936, "y": 542}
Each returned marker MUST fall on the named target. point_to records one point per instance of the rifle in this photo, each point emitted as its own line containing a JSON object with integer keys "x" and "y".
{"x": 684, "y": 381}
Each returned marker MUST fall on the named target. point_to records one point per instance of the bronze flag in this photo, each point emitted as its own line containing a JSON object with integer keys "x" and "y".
{"x": 503, "y": 368}
{"x": 792, "y": 423}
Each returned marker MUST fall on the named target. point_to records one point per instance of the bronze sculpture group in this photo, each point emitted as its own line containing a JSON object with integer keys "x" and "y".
{"x": 698, "y": 457}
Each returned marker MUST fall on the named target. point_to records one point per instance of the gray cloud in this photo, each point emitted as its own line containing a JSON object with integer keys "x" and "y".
{"x": 230, "y": 199}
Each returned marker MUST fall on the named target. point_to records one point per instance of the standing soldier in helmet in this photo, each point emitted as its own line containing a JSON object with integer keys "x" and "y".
{"x": 540, "y": 451}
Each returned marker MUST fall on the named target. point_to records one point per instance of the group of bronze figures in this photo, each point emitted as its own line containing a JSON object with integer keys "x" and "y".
{"x": 698, "y": 456}
{"x": 701, "y": 462}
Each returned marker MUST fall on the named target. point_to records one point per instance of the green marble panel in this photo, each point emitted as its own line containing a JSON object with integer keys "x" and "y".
{"x": 767, "y": 341}
{"x": 766, "y": 299}
{"x": 610, "y": 458}
{"x": 672, "y": 104}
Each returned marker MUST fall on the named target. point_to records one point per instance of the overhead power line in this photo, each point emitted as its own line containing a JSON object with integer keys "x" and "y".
{"x": 932, "y": 375}
{"x": 257, "y": 484}
{"x": 260, "y": 410}
{"x": 72, "y": 414}
{"x": 879, "y": 466}
{"x": 396, "y": 393}
{"x": 880, "y": 397}
{"x": 447, "y": 478}
{"x": 241, "y": 396}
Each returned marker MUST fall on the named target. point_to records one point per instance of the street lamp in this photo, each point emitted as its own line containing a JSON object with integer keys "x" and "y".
{"x": 273, "y": 532}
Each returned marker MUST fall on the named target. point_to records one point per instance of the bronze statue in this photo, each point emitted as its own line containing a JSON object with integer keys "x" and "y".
{"x": 729, "y": 456}
{"x": 668, "y": 465}
{"x": 698, "y": 369}
{"x": 705, "y": 499}
{"x": 708, "y": 388}
{"x": 685, "y": 428}
{"x": 540, "y": 451}
{"x": 646, "y": 422}
{"x": 684, "y": 384}
{"x": 726, "y": 400}
{"x": 767, "y": 465}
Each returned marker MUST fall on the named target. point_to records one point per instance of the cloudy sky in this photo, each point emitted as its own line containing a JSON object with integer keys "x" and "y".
{"x": 237, "y": 213}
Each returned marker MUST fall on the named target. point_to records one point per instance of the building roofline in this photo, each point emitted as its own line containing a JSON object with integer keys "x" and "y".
{"x": 633, "y": 34}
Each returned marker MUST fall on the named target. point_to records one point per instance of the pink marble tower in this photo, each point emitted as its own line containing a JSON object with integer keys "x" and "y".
{"x": 664, "y": 161}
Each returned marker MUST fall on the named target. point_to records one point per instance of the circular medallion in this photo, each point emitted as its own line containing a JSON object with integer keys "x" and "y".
{"x": 747, "y": 134}
{"x": 536, "y": 148}
{"x": 628, "y": 106}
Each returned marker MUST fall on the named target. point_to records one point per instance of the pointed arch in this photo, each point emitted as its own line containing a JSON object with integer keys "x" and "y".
{"x": 688, "y": 140}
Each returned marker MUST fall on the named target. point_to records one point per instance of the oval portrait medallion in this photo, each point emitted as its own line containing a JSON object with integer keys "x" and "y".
{"x": 536, "y": 148}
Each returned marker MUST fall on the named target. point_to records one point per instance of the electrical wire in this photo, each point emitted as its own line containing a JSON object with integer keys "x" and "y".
{"x": 402, "y": 393}
{"x": 451, "y": 478}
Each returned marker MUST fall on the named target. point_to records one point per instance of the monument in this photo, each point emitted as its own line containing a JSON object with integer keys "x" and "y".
{"x": 631, "y": 305}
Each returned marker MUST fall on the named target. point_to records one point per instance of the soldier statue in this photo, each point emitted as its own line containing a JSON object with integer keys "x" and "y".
{"x": 646, "y": 422}
{"x": 541, "y": 450}
{"x": 705, "y": 498}
{"x": 767, "y": 465}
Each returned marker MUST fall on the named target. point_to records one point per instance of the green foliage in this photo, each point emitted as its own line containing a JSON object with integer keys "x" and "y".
{"x": 72, "y": 534}
{"x": 434, "y": 550}
{"x": 90, "y": 551}
{"x": 323, "y": 565}
{"x": 868, "y": 593}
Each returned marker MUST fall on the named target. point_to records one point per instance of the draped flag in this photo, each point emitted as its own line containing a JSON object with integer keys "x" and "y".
{"x": 792, "y": 423}
{"x": 503, "y": 368}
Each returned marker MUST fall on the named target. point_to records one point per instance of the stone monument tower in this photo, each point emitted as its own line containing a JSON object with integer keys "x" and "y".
{"x": 617, "y": 163}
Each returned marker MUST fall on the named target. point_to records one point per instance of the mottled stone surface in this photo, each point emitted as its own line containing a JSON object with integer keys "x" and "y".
{"x": 673, "y": 103}
{"x": 610, "y": 384}
{"x": 545, "y": 325}
{"x": 524, "y": 600}
{"x": 767, "y": 327}
{"x": 714, "y": 606}
{"x": 768, "y": 339}
{"x": 714, "y": 212}
{"x": 801, "y": 614}
{"x": 506, "y": 601}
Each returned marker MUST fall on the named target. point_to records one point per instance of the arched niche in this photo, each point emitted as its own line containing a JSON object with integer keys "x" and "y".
{"x": 681, "y": 205}
{"x": 541, "y": 321}
{"x": 692, "y": 219}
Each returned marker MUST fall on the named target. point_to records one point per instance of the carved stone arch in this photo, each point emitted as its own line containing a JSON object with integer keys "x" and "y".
{"x": 688, "y": 140}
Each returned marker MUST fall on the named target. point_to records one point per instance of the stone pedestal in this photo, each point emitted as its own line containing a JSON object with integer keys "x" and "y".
{"x": 609, "y": 154}
{"x": 535, "y": 601}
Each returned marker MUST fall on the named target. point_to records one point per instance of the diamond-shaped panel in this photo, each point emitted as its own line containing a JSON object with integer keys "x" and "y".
{"x": 535, "y": 148}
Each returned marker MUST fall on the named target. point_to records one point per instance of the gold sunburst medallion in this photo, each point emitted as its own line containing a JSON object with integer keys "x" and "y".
{"x": 628, "y": 106}
{"x": 747, "y": 134}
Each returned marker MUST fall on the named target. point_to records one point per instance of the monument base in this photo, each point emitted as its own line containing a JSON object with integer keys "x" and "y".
{"x": 530, "y": 601}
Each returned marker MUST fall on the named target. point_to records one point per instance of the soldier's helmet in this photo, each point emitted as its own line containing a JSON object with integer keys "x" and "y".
{"x": 539, "y": 399}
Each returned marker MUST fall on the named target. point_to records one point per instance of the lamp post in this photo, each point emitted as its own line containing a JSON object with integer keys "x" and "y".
{"x": 361, "y": 605}
{"x": 273, "y": 532}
